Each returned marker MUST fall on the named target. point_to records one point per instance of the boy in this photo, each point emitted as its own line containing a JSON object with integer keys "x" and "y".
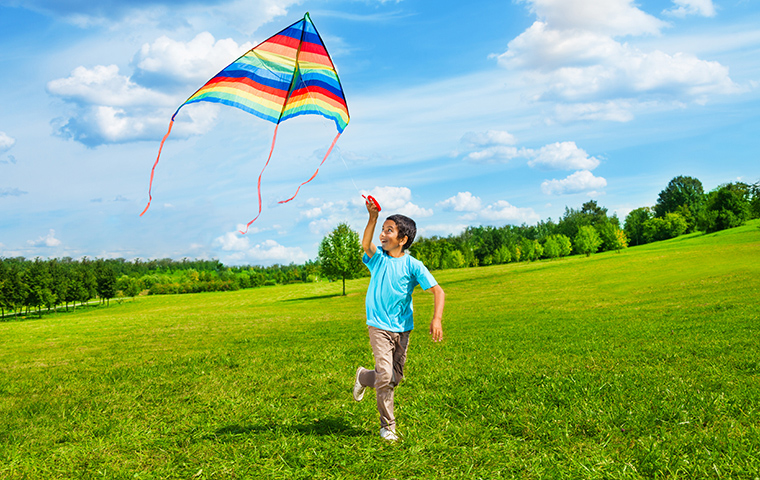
{"x": 394, "y": 274}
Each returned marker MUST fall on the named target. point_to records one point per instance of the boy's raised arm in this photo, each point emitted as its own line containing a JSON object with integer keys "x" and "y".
{"x": 369, "y": 231}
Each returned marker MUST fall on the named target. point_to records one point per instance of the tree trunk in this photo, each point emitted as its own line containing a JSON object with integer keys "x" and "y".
{"x": 344, "y": 285}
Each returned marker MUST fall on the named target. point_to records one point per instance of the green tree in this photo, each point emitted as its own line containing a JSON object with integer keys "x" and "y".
{"x": 454, "y": 259}
{"x": 587, "y": 241}
{"x": 727, "y": 206}
{"x": 340, "y": 254}
{"x": 551, "y": 247}
{"x": 684, "y": 192}
{"x": 670, "y": 226}
{"x": 613, "y": 238}
{"x": 634, "y": 225}
{"x": 105, "y": 278}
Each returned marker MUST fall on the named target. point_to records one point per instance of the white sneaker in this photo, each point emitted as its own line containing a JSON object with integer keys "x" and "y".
{"x": 388, "y": 435}
{"x": 358, "y": 387}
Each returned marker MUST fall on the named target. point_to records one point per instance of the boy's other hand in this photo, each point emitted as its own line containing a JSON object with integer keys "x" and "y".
{"x": 436, "y": 330}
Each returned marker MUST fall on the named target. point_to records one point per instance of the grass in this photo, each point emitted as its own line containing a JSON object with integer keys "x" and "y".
{"x": 635, "y": 365}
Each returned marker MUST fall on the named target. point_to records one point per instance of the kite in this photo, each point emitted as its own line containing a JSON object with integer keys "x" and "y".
{"x": 288, "y": 75}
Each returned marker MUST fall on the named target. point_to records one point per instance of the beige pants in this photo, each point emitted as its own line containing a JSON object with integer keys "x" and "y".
{"x": 389, "y": 349}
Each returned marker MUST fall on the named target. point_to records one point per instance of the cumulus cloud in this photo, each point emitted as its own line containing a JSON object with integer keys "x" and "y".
{"x": 240, "y": 249}
{"x": 570, "y": 55}
{"x": 104, "y": 85}
{"x": 472, "y": 209}
{"x": 171, "y": 61}
{"x": 113, "y": 107}
{"x": 506, "y": 212}
{"x": 682, "y": 8}
{"x": 6, "y": 142}
{"x": 578, "y": 182}
{"x": 611, "y": 17}
{"x": 563, "y": 156}
{"x": 47, "y": 241}
{"x": 398, "y": 200}
{"x": 491, "y": 146}
{"x": 461, "y": 202}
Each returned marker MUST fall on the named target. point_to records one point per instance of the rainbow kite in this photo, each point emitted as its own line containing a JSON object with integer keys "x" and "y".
{"x": 287, "y": 75}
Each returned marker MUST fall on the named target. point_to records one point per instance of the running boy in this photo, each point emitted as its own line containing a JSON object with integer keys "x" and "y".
{"x": 394, "y": 274}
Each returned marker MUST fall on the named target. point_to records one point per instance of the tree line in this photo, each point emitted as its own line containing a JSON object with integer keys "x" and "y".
{"x": 31, "y": 285}
{"x": 682, "y": 207}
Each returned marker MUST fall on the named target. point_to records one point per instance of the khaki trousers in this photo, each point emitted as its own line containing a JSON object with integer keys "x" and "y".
{"x": 389, "y": 349}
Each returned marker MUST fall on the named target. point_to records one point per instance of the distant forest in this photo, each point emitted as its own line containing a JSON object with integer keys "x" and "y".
{"x": 682, "y": 207}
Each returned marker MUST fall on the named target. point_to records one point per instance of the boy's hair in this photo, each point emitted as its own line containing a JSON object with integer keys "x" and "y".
{"x": 406, "y": 228}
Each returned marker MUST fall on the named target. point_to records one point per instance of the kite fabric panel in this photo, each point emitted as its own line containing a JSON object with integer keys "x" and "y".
{"x": 288, "y": 75}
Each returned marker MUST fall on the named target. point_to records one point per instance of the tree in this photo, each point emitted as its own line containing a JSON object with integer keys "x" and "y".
{"x": 671, "y": 226}
{"x": 727, "y": 206}
{"x": 105, "y": 278}
{"x": 587, "y": 241}
{"x": 454, "y": 259}
{"x": 681, "y": 192}
{"x": 340, "y": 254}
{"x": 634, "y": 225}
{"x": 613, "y": 238}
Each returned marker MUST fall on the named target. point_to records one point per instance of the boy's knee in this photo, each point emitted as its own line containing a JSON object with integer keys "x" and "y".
{"x": 383, "y": 379}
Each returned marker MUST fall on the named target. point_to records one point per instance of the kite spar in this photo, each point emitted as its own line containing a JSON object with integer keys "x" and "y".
{"x": 288, "y": 75}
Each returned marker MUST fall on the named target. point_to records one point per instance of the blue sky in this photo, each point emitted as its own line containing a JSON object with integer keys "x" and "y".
{"x": 462, "y": 113}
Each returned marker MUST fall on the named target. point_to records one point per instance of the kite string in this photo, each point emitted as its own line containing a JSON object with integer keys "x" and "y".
{"x": 153, "y": 170}
{"x": 316, "y": 172}
{"x": 258, "y": 185}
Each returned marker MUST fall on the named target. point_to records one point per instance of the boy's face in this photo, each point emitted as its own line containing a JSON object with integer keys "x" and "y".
{"x": 389, "y": 237}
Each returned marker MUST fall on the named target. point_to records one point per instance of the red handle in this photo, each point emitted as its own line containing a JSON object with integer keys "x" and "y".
{"x": 370, "y": 198}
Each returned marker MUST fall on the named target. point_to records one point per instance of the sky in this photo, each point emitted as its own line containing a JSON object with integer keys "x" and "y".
{"x": 462, "y": 114}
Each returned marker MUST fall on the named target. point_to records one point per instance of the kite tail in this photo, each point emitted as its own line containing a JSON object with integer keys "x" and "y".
{"x": 315, "y": 173}
{"x": 153, "y": 170}
{"x": 258, "y": 185}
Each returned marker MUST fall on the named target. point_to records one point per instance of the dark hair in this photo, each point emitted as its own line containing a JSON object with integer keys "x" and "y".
{"x": 406, "y": 228}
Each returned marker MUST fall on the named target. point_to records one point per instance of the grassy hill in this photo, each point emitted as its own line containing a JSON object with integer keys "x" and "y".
{"x": 634, "y": 365}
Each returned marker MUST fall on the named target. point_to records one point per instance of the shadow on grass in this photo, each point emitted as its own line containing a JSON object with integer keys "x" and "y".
{"x": 318, "y": 427}
{"x": 316, "y": 297}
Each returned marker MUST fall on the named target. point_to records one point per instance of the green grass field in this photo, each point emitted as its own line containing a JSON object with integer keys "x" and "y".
{"x": 642, "y": 364}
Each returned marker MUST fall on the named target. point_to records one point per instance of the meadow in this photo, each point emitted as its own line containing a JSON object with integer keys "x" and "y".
{"x": 632, "y": 365}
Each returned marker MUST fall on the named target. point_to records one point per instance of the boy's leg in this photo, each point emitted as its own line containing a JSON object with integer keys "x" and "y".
{"x": 389, "y": 349}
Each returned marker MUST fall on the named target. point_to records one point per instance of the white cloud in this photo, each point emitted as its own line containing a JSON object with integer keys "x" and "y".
{"x": 578, "y": 182}
{"x": 489, "y": 138}
{"x": 582, "y": 66}
{"x": 242, "y": 250}
{"x": 396, "y": 200}
{"x": 104, "y": 85}
{"x": 610, "y": 17}
{"x": 186, "y": 62}
{"x": 461, "y": 202}
{"x": 47, "y": 241}
{"x": 570, "y": 56}
{"x": 504, "y": 211}
{"x": 6, "y": 142}
{"x": 441, "y": 229}
{"x": 682, "y": 8}
{"x": 492, "y": 145}
{"x": 563, "y": 156}
{"x": 612, "y": 111}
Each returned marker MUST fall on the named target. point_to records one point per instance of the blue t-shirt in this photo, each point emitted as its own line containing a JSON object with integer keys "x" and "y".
{"x": 389, "y": 296}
